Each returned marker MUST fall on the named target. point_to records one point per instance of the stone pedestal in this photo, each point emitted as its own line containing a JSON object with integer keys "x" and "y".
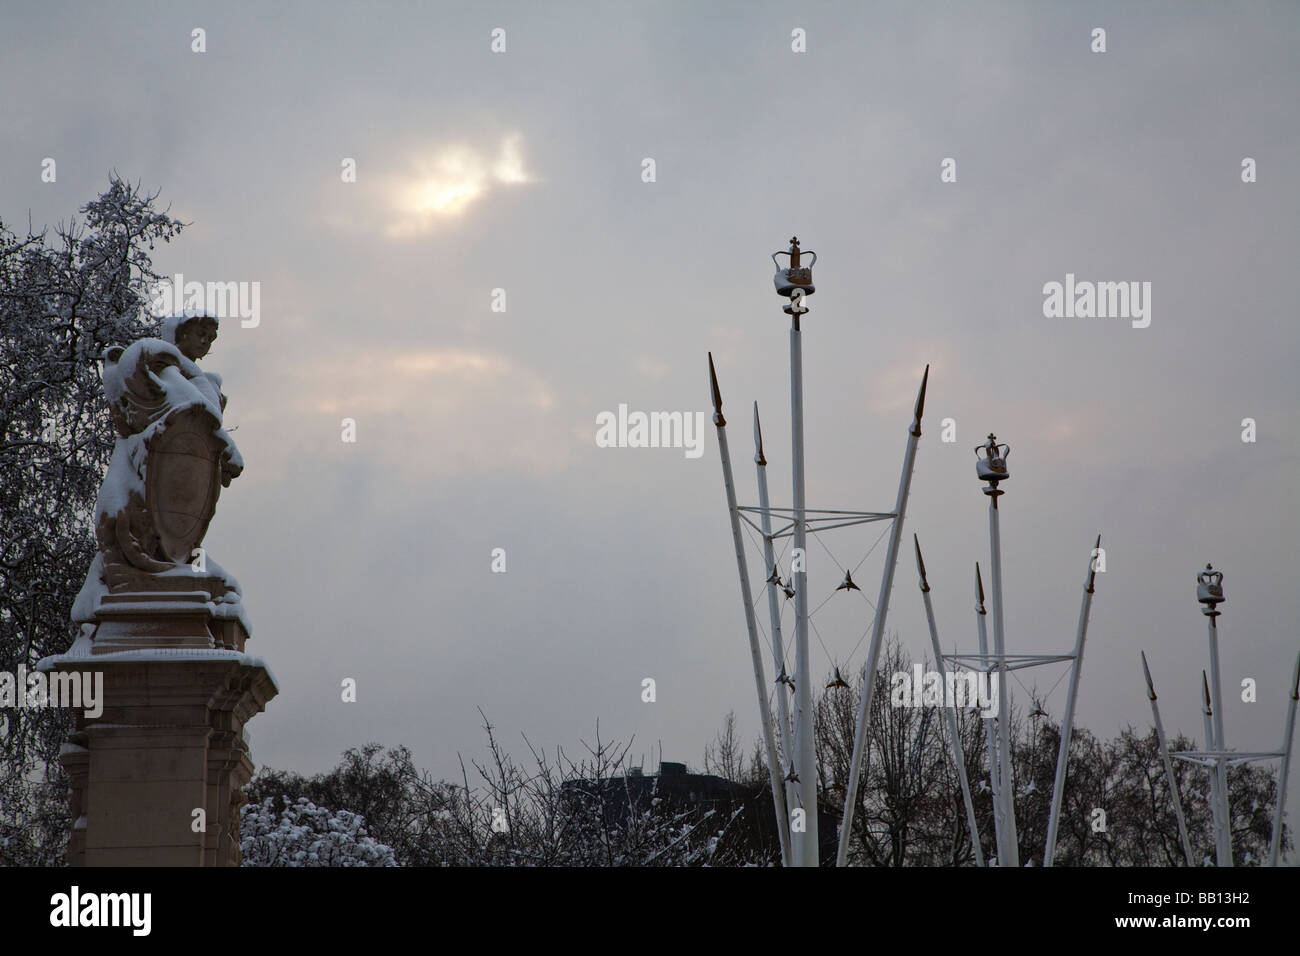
{"x": 157, "y": 777}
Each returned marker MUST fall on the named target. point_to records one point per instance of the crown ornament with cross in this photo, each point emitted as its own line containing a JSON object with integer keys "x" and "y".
{"x": 795, "y": 281}
{"x": 991, "y": 466}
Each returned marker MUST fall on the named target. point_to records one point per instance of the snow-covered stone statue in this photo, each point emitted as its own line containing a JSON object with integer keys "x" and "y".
{"x": 162, "y": 626}
{"x": 170, "y": 460}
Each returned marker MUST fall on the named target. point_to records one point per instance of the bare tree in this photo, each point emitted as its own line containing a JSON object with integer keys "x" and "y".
{"x": 725, "y": 756}
{"x": 62, "y": 302}
{"x": 556, "y": 811}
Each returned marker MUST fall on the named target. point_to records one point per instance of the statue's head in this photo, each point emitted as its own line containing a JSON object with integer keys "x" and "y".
{"x": 193, "y": 335}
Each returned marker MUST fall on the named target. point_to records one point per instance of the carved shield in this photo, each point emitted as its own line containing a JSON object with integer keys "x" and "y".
{"x": 183, "y": 480}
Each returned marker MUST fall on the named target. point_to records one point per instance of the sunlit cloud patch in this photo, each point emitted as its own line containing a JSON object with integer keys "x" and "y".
{"x": 446, "y": 182}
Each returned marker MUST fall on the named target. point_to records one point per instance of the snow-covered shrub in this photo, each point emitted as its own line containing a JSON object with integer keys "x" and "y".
{"x": 303, "y": 834}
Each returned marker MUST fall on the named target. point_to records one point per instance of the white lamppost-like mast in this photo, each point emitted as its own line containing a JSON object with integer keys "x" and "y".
{"x": 795, "y": 726}
{"x": 1209, "y": 592}
{"x": 991, "y": 468}
{"x": 1216, "y": 757}
{"x": 795, "y": 282}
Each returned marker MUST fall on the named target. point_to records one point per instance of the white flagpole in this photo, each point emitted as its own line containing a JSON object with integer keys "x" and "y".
{"x": 1275, "y": 846}
{"x": 958, "y": 754}
{"x": 877, "y": 635}
{"x": 806, "y": 842}
{"x": 1212, "y": 597}
{"x": 1004, "y": 689}
{"x": 1169, "y": 764}
{"x": 760, "y": 683}
{"x": 1220, "y": 765}
{"x": 1076, "y": 666}
{"x": 1207, "y": 718}
{"x": 991, "y": 741}
{"x": 774, "y": 608}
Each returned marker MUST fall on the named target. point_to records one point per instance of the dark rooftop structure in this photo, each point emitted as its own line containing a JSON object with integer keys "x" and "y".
{"x": 677, "y": 789}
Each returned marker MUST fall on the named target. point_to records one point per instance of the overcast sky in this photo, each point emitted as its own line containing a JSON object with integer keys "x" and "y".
{"x": 522, "y": 171}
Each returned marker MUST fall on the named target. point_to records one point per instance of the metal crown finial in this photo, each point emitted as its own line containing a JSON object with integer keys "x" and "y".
{"x": 796, "y": 275}
{"x": 991, "y": 466}
{"x": 1209, "y": 590}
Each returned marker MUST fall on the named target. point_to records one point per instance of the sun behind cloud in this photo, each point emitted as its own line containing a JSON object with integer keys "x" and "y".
{"x": 448, "y": 181}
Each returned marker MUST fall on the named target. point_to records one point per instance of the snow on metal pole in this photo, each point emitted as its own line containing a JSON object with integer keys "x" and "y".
{"x": 760, "y": 683}
{"x": 774, "y": 608}
{"x": 1209, "y": 592}
{"x": 990, "y": 740}
{"x": 1169, "y": 764}
{"x": 1275, "y": 845}
{"x": 992, "y": 468}
{"x": 1076, "y": 666}
{"x": 958, "y": 754}
{"x": 878, "y": 632}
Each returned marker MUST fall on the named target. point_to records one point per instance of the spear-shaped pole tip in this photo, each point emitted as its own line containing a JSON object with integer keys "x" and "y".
{"x": 717, "y": 395}
{"x": 1092, "y": 566}
{"x": 920, "y": 402}
{"x": 920, "y": 564}
{"x": 979, "y": 587}
{"x": 759, "y": 457}
{"x": 1146, "y": 672}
